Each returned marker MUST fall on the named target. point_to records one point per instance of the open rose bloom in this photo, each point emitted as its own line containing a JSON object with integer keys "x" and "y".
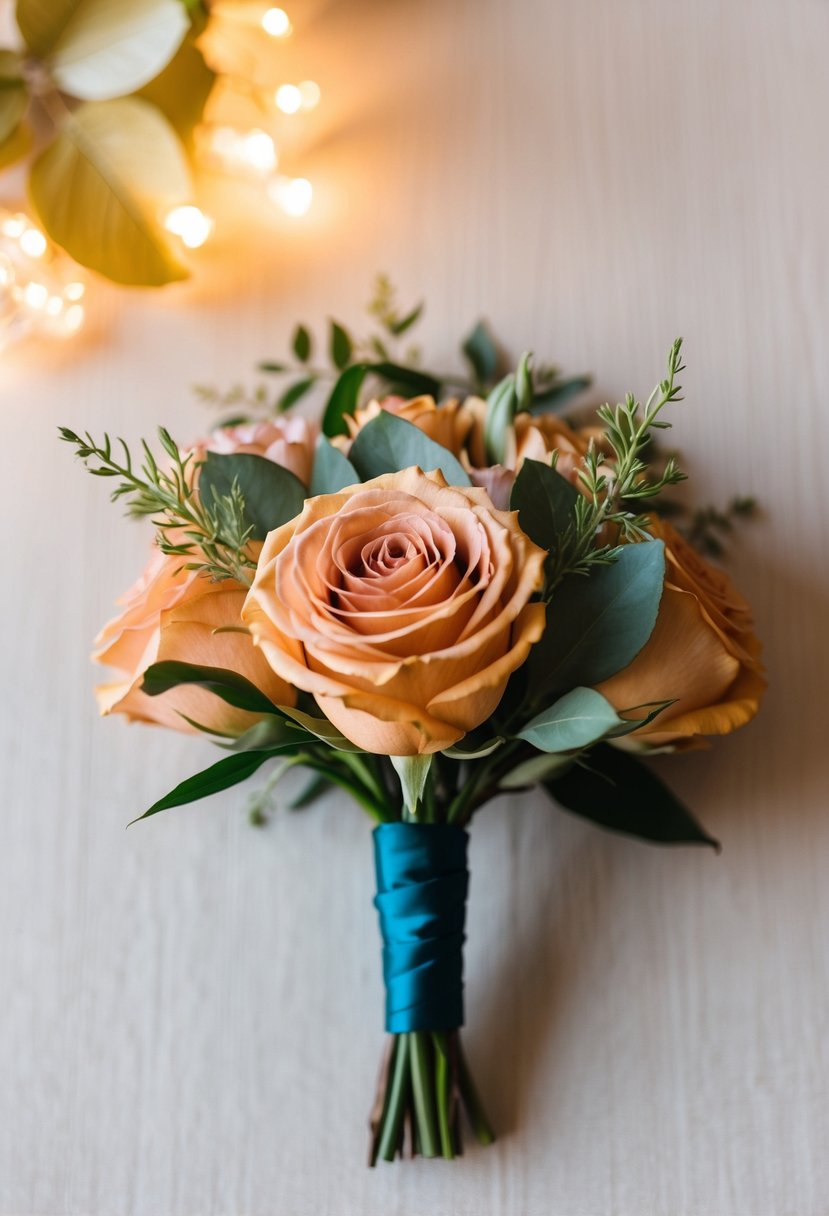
{"x": 428, "y": 602}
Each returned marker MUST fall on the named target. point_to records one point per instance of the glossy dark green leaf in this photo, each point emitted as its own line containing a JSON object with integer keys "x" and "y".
{"x": 620, "y": 793}
{"x": 318, "y": 785}
{"x": 294, "y": 393}
{"x": 220, "y": 776}
{"x": 545, "y": 502}
{"x": 406, "y": 323}
{"x": 332, "y": 471}
{"x": 388, "y": 444}
{"x": 344, "y": 399}
{"x": 340, "y": 346}
{"x": 269, "y": 366}
{"x": 599, "y": 623}
{"x": 407, "y": 379}
{"x": 229, "y": 685}
{"x": 272, "y": 495}
{"x": 481, "y": 353}
{"x": 302, "y": 344}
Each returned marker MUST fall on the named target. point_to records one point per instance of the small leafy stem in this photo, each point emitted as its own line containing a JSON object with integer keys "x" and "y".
{"x": 215, "y": 537}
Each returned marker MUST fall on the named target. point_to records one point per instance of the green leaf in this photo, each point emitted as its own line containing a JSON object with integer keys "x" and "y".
{"x": 272, "y": 495}
{"x": 620, "y": 793}
{"x": 576, "y": 720}
{"x": 229, "y": 685}
{"x": 100, "y": 49}
{"x": 181, "y": 90}
{"x": 331, "y": 471}
{"x": 318, "y": 785}
{"x": 501, "y": 405}
{"x": 321, "y": 728}
{"x": 16, "y": 146}
{"x": 388, "y": 444}
{"x": 538, "y": 768}
{"x": 481, "y": 353}
{"x": 545, "y": 502}
{"x": 474, "y": 753}
{"x": 220, "y": 776}
{"x": 302, "y": 344}
{"x": 13, "y": 95}
{"x": 400, "y": 327}
{"x": 270, "y": 733}
{"x": 269, "y": 366}
{"x": 408, "y": 379}
{"x": 413, "y": 772}
{"x": 599, "y": 623}
{"x": 340, "y": 346}
{"x": 101, "y": 188}
{"x": 294, "y": 393}
{"x": 558, "y": 394}
{"x": 344, "y": 399}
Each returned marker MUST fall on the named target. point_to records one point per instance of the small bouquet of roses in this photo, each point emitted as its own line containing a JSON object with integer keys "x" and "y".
{"x": 426, "y": 601}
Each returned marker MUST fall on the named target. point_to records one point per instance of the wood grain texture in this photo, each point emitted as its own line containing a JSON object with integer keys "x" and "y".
{"x": 191, "y": 1010}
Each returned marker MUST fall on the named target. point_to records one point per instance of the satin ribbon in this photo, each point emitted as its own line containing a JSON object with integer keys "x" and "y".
{"x": 422, "y": 881}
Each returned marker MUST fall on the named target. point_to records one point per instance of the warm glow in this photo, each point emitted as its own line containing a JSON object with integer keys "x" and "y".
{"x": 14, "y": 226}
{"x": 73, "y": 318}
{"x": 190, "y": 224}
{"x": 233, "y": 151}
{"x": 293, "y": 194}
{"x": 288, "y": 99}
{"x": 309, "y": 92}
{"x": 35, "y": 295}
{"x": 276, "y": 23}
{"x": 74, "y": 291}
{"x": 54, "y": 306}
{"x": 32, "y": 242}
{"x": 259, "y": 151}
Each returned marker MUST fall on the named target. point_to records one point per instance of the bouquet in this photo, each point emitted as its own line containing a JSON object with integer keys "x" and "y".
{"x": 424, "y": 601}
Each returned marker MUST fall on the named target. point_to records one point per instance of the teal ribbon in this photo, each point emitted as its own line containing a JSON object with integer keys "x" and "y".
{"x": 422, "y": 881}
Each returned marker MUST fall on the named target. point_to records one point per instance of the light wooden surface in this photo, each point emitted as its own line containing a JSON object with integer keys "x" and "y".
{"x": 190, "y": 1012}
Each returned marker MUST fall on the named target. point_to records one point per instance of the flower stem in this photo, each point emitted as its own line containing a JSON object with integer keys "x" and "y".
{"x": 391, "y": 1127}
{"x": 474, "y": 1107}
{"x": 423, "y": 1090}
{"x": 443, "y": 1092}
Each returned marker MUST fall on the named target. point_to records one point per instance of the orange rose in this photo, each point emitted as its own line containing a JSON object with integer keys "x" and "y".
{"x": 171, "y": 614}
{"x": 534, "y": 437}
{"x": 288, "y": 441}
{"x": 402, "y": 605}
{"x": 446, "y": 424}
{"x": 703, "y": 652}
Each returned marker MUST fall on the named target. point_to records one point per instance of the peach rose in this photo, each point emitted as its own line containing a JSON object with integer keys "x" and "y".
{"x": 534, "y": 437}
{"x": 402, "y": 605}
{"x": 446, "y": 424}
{"x": 171, "y": 614}
{"x": 703, "y": 652}
{"x": 288, "y": 441}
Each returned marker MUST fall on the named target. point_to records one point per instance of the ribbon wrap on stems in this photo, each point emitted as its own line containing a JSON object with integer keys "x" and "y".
{"x": 422, "y": 882}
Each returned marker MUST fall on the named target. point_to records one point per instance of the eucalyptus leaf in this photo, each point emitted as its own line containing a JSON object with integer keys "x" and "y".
{"x": 220, "y": 776}
{"x": 228, "y": 685}
{"x": 107, "y": 48}
{"x": 599, "y": 623}
{"x": 481, "y": 353}
{"x": 413, "y": 772}
{"x": 619, "y": 793}
{"x": 340, "y": 346}
{"x": 101, "y": 187}
{"x": 576, "y": 720}
{"x": 388, "y": 444}
{"x": 272, "y": 495}
{"x": 501, "y": 405}
{"x": 344, "y": 399}
{"x": 332, "y": 471}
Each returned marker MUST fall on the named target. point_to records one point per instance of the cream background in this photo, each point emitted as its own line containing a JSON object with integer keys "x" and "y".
{"x": 190, "y": 1016}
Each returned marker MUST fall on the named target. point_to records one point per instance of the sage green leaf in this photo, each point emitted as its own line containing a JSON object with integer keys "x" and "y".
{"x": 576, "y": 720}
{"x": 318, "y": 785}
{"x": 101, "y": 188}
{"x": 331, "y": 471}
{"x": 405, "y": 323}
{"x": 538, "y": 768}
{"x": 295, "y": 392}
{"x": 481, "y": 353}
{"x": 269, "y": 733}
{"x": 181, "y": 90}
{"x": 344, "y": 399}
{"x": 413, "y": 772}
{"x": 599, "y": 623}
{"x": 474, "y": 753}
{"x": 228, "y": 685}
{"x": 558, "y": 394}
{"x": 501, "y": 405}
{"x": 340, "y": 346}
{"x": 13, "y": 95}
{"x": 545, "y": 502}
{"x": 272, "y": 495}
{"x": 619, "y": 793}
{"x": 220, "y": 776}
{"x": 302, "y": 344}
{"x": 321, "y": 728}
{"x": 407, "y": 379}
{"x": 523, "y": 383}
{"x": 388, "y": 444}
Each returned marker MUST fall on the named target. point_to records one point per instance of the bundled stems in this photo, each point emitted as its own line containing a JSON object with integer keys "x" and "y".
{"x": 422, "y": 1091}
